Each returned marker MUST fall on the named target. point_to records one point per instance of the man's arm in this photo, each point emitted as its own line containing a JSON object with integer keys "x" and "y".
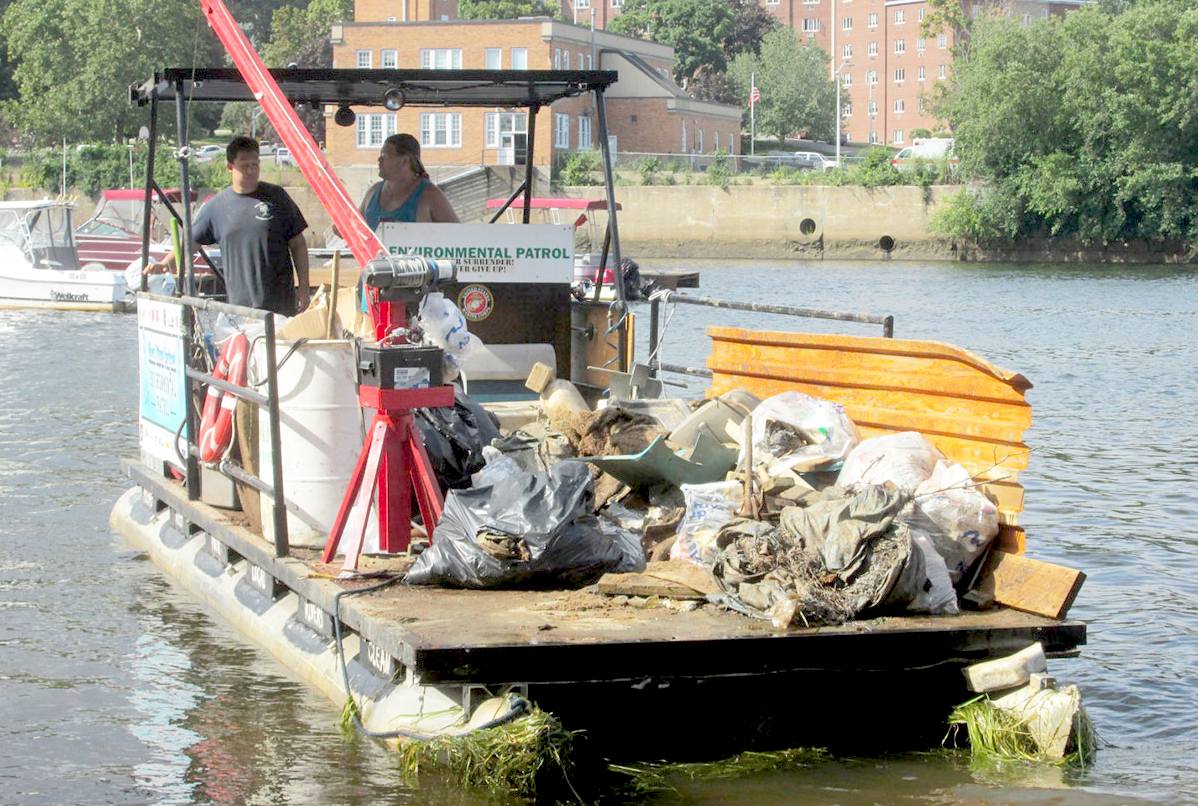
{"x": 299, "y": 258}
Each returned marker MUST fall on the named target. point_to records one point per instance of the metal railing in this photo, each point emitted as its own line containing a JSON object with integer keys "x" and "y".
{"x": 673, "y": 297}
{"x": 270, "y": 401}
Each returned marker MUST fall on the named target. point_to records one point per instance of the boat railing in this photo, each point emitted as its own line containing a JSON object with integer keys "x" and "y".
{"x": 269, "y": 401}
{"x": 668, "y": 296}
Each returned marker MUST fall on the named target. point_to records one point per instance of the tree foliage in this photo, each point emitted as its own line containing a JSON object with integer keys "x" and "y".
{"x": 797, "y": 93}
{"x": 508, "y": 9}
{"x": 696, "y": 29}
{"x": 301, "y": 35}
{"x": 75, "y": 59}
{"x": 1084, "y": 126}
{"x": 93, "y": 168}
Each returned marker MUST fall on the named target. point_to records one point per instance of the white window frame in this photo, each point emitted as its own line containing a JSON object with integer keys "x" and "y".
{"x": 519, "y": 58}
{"x": 942, "y": 72}
{"x": 900, "y": 75}
{"x": 493, "y": 58}
{"x": 872, "y": 50}
{"x": 617, "y": 3}
{"x": 437, "y": 125}
{"x": 900, "y": 16}
{"x": 492, "y": 128}
{"x": 846, "y": 24}
{"x": 921, "y": 44}
{"x": 699, "y": 141}
{"x": 810, "y": 25}
{"x": 846, "y": 80}
{"x": 899, "y": 137}
{"x": 371, "y": 130}
{"x": 363, "y": 59}
{"x": 557, "y": 58}
{"x": 772, "y": 2}
{"x": 566, "y": 60}
{"x": 389, "y": 58}
{"x": 585, "y": 140}
{"x": 846, "y": 110}
{"x": 922, "y": 13}
{"x": 561, "y": 130}
{"x": 872, "y": 109}
{"x": 871, "y": 20}
{"x": 582, "y": 3}
{"x": 871, "y": 78}
{"x": 942, "y": 41}
{"x": 441, "y": 58}
{"x": 847, "y": 51}
{"x": 811, "y": 2}
{"x": 900, "y": 105}
{"x": 922, "y": 73}
{"x": 900, "y": 46}
{"x": 873, "y": 137}
{"x": 716, "y": 145}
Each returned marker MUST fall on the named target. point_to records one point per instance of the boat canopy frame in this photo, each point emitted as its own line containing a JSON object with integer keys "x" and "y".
{"x": 317, "y": 87}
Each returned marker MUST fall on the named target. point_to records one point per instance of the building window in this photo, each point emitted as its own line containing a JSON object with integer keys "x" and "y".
{"x": 390, "y": 59}
{"x": 771, "y": 2}
{"x": 372, "y": 130}
{"x": 873, "y": 109}
{"x": 441, "y": 130}
{"x": 900, "y": 75}
{"x": 582, "y": 3}
{"x": 498, "y": 123}
{"x": 494, "y": 59}
{"x": 441, "y": 59}
{"x": 900, "y": 16}
{"x": 1027, "y": 19}
{"x": 566, "y": 60}
{"x": 847, "y": 52}
{"x": 699, "y": 142}
{"x": 519, "y": 58}
{"x": 810, "y": 25}
{"x": 716, "y": 145}
{"x": 584, "y": 133}
{"x": 847, "y": 24}
{"x": 590, "y": 62}
{"x": 872, "y": 49}
{"x": 363, "y": 59}
{"x": 920, "y": 105}
{"x": 811, "y": 2}
{"x": 616, "y": 3}
{"x": 921, "y": 14}
{"x": 871, "y": 77}
{"x": 561, "y": 131}
{"x": 900, "y": 46}
{"x": 873, "y": 138}
{"x": 900, "y": 105}
{"x": 921, "y": 44}
{"x": 942, "y": 72}
{"x": 898, "y": 137}
{"x": 557, "y": 58}
{"x": 923, "y": 73}
{"x": 871, "y": 21}
{"x": 942, "y": 41}
{"x": 846, "y": 80}
{"x": 847, "y": 110}
{"x": 1044, "y": 13}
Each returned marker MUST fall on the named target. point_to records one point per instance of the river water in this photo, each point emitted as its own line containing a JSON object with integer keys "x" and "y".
{"x": 115, "y": 687}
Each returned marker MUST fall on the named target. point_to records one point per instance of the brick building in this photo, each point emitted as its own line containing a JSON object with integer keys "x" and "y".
{"x": 646, "y": 112}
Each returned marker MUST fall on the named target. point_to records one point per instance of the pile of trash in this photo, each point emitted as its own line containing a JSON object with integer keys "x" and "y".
{"x": 797, "y": 519}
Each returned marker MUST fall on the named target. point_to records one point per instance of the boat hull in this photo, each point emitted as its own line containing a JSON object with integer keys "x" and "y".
{"x": 92, "y": 290}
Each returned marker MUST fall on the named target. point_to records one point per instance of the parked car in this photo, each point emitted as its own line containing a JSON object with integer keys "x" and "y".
{"x": 209, "y": 153}
{"x": 813, "y": 161}
{"x": 931, "y": 152}
{"x": 283, "y": 156}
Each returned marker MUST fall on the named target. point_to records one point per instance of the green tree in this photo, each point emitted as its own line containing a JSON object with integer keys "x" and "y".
{"x": 696, "y": 29}
{"x": 797, "y": 93}
{"x": 301, "y": 35}
{"x": 1083, "y": 126}
{"x": 507, "y": 9}
{"x": 75, "y": 59}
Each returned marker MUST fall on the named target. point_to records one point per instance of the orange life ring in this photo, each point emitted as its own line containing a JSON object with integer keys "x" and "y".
{"x": 216, "y": 423}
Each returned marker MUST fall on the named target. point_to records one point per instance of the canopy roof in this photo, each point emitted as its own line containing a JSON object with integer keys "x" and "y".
{"x": 547, "y": 203}
{"x": 488, "y": 88}
{"x": 139, "y": 194}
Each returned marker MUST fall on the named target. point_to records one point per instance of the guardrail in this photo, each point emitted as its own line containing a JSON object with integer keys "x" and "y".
{"x": 667, "y": 296}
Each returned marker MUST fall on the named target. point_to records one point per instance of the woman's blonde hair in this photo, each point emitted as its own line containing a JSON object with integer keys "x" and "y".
{"x": 406, "y": 145}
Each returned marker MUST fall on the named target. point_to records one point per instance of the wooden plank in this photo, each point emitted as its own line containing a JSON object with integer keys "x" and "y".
{"x": 1032, "y": 586}
{"x": 676, "y": 579}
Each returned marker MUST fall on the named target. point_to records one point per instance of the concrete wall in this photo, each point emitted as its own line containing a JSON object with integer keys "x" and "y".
{"x": 779, "y": 222}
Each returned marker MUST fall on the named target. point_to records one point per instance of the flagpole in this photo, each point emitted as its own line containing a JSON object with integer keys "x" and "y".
{"x": 752, "y": 114}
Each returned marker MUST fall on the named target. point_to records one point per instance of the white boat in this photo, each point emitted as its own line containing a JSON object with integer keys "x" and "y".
{"x": 40, "y": 267}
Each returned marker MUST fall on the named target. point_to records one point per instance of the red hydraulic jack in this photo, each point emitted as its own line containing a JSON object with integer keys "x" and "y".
{"x": 394, "y": 379}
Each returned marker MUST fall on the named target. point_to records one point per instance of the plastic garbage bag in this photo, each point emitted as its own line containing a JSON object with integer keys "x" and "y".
{"x": 960, "y": 520}
{"x": 454, "y": 439}
{"x": 523, "y": 530}
{"x": 708, "y": 507}
{"x": 445, "y": 326}
{"x": 905, "y": 459}
{"x": 794, "y": 431}
{"x": 937, "y": 596}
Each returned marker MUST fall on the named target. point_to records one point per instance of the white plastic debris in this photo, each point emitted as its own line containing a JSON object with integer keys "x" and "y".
{"x": 1009, "y": 672}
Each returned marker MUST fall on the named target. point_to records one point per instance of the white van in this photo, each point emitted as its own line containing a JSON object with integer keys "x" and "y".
{"x": 925, "y": 151}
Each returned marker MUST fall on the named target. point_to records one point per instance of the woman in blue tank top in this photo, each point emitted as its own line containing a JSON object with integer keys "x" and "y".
{"x": 406, "y": 192}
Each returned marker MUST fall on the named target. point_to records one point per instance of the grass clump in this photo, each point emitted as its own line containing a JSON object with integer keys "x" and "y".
{"x": 648, "y": 778}
{"x": 998, "y": 735}
{"x": 507, "y": 759}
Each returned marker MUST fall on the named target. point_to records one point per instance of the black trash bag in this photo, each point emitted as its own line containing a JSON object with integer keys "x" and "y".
{"x": 525, "y": 530}
{"x": 454, "y": 439}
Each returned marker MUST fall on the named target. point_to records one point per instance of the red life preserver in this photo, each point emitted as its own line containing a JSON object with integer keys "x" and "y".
{"x": 216, "y": 424}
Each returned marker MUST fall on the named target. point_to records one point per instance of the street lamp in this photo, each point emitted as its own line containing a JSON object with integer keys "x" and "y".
{"x": 836, "y": 79}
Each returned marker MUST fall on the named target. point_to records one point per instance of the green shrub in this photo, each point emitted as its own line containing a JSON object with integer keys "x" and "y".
{"x": 719, "y": 172}
{"x": 649, "y": 168}
{"x": 874, "y": 170}
{"x": 92, "y": 168}
{"x": 579, "y": 169}
{"x": 978, "y": 215}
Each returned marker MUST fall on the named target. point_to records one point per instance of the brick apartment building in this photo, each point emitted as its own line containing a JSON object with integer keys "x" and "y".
{"x": 646, "y": 111}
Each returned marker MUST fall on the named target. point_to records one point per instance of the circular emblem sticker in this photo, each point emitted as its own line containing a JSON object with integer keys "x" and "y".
{"x": 476, "y": 302}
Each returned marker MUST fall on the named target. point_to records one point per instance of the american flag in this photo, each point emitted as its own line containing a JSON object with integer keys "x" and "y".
{"x": 754, "y": 96}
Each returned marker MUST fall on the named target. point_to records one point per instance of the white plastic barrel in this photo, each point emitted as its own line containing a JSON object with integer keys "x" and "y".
{"x": 320, "y": 434}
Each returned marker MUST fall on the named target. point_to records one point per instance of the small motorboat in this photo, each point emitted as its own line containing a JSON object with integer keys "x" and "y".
{"x": 40, "y": 265}
{"x": 113, "y": 234}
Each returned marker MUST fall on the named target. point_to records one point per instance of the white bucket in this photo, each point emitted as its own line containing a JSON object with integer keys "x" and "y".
{"x": 320, "y": 432}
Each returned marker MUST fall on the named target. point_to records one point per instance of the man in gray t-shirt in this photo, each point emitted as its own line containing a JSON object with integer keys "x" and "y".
{"x": 260, "y": 232}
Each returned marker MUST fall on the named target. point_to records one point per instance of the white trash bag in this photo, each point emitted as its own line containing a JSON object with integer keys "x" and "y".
{"x": 445, "y": 326}
{"x": 940, "y": 598}
{"x": 708, "y": 507}
{"x": 798, "y": 432}
{"x": 960, "y": 519}
{"x": 906, "y": 459}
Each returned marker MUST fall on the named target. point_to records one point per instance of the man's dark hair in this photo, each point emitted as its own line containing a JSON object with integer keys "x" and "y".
{"x": 239, "y": 144}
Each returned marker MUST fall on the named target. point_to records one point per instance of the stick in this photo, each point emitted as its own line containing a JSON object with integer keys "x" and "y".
{"x": 328, "y": 330}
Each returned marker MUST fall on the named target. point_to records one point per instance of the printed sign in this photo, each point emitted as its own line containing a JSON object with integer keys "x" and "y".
{"x": 162, "y": 379}
{"x": 490, "y": 253}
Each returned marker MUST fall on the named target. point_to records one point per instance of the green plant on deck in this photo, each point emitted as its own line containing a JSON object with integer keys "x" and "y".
{"x": 507, "y": 759}
{"x": 998, "y": 735}
{"x": 579, "y": 168}
{"x": 644, "y": 779}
